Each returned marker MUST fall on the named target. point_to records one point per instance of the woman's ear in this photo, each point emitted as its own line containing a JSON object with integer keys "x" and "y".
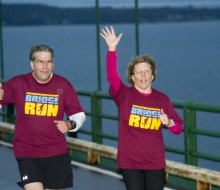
{"x": 152, "y": 77}
{"x": 132, "y": 77}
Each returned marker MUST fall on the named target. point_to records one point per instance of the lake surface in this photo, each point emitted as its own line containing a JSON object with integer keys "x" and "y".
{"x": 187, "y": 55}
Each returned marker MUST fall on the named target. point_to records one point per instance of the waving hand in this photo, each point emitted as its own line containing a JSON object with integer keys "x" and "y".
{"x": 110, "y": 38}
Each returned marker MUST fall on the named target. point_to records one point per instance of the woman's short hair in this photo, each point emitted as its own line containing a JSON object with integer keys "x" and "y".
{"x": 140, "y": 59}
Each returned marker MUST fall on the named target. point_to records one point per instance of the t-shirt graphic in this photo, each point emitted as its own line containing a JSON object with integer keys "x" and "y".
{"x": 144, "y": 117}
{"x": 41, "y": 104}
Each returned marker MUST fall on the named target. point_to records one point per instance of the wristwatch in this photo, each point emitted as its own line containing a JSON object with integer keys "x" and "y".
{"x": 73, "y": 124}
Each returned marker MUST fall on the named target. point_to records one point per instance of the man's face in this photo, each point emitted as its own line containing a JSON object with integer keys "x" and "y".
{"x": 42, "y": 66}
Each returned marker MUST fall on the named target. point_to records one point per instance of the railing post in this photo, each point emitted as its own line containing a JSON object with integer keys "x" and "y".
{"x": 10, "y": 113}
{"x": 190, "y": 138}
{"x": 137, "y": 26}
{"x": 1, "y": 45}
{"x": 98, "y": 44}
{"x": 96, "y": 121}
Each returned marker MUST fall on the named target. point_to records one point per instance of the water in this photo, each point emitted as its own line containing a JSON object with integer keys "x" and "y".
{"x": 187, "y": 55}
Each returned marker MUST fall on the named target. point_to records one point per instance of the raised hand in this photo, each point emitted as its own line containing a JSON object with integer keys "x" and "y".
{"x": 110, "y": 38}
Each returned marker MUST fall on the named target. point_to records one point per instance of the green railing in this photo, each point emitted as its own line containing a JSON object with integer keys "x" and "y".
{"x": 190, "y": 130}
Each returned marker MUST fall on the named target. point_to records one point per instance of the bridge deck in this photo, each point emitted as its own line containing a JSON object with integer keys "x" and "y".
{"x": 86, "y": 177}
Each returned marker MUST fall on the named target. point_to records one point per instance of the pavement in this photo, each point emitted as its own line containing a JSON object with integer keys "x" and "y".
{"x": 86, "y": 177}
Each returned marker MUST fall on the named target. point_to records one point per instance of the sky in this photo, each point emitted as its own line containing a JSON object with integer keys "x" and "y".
{"x": 120, "y": 3}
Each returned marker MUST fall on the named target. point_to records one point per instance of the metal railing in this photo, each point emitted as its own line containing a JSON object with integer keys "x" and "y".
{"x": 94, "y": 154}
{"x": 190, "y": 130}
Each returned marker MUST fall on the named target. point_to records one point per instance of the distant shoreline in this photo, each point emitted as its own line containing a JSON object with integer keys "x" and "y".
{"x": 38, "y": 14}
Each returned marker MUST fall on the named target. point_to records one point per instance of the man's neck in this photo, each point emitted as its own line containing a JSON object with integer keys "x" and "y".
{"x": 43, "y": 81}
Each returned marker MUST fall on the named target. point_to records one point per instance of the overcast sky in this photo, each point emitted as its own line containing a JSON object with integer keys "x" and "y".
{"x": 119, "y": 3}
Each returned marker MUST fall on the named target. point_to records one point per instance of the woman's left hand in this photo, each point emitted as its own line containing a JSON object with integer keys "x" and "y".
{"x": 164, "y": 118}
{"x": 110, "y": 38}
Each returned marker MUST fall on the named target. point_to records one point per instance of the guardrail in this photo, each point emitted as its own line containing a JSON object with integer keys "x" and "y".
{"x": 189, "y": 109}
{"x": 93, "y": 152}
{"x": 190, "y": 130}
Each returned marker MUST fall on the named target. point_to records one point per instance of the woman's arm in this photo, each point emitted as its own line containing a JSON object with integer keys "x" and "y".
{"x": 112, "y": 72}
{"x": 176, "y": 128}
{"x": 112, "y": 41}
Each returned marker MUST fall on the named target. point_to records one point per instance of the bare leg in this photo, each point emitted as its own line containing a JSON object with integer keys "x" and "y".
{"x": 34, "y": 186}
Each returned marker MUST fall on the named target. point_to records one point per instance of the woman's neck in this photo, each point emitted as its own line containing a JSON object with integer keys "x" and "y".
{"x": 144, "y": 91}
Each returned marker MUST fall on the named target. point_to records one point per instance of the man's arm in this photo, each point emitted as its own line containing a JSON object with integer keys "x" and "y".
{"x": 79, "y": 119}
{"x": 73, "y": 125}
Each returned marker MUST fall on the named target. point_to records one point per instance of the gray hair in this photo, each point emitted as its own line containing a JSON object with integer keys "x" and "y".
{"x": 39, "y": 48}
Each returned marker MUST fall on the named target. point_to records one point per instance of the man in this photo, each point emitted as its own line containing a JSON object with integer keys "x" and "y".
{"x": 41, "y": 98}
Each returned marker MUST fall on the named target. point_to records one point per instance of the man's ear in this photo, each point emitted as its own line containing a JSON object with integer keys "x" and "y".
{"x": 32, "y": 65}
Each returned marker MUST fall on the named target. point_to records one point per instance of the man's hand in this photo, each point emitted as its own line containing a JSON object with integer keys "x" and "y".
{"x": 110, "y": 37}
{"x": 1, "y": 92}
{"x": 63, "y": 126}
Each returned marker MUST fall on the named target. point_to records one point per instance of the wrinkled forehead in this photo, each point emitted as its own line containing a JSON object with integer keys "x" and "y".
{"x": 43, "y": 55}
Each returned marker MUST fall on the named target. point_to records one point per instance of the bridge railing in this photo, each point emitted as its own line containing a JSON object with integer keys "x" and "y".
{"x": 190, "y": 130}
{"x": 203, "y": 179}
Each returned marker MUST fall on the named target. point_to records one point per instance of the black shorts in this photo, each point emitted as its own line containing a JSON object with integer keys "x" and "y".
{"x": 143, "y": 179}
{"x": 53, "y": 172}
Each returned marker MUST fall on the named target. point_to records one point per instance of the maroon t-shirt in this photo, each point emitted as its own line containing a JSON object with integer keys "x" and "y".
{"x": 140, "y": 143}
{"x": 37, "y": 106}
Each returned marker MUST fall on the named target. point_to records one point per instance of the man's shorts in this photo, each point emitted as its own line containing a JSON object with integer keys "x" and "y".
{"x": 53, "y": 172}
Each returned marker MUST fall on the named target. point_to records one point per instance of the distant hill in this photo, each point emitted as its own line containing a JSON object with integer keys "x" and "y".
{"x": 30, "y": 14}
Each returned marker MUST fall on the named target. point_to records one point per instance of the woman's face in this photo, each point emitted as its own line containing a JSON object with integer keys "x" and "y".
{"x": 142, "y": 77}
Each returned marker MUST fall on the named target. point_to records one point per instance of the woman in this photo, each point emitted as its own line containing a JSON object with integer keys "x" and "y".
{"x": 143, "y": 111}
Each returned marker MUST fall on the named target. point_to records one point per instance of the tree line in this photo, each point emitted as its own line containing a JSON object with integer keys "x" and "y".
{"x": 37, "y": 14}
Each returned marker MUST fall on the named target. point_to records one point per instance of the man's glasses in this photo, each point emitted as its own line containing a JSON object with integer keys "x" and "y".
{"x": 40, "y": 62}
